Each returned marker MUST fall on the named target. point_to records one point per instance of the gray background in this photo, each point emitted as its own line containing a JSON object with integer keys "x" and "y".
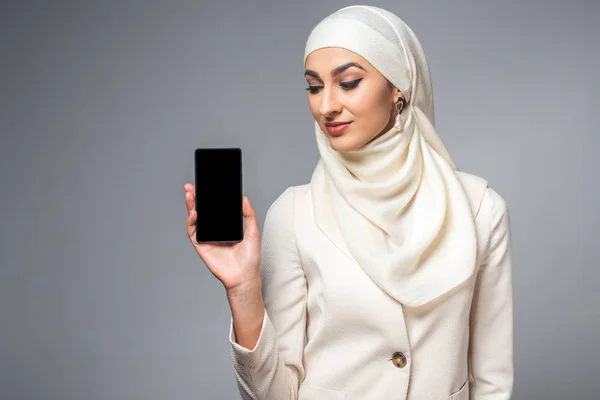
{"x": 102, "y": 104}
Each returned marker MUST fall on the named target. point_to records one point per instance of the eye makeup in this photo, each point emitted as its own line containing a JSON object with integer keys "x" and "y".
{"x": 346, "y": 85}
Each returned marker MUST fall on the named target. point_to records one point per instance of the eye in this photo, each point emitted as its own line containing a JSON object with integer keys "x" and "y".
{"x": 351, "y": 84}
{"x": 345, "y": 85}
{"x": 313, "y": 89}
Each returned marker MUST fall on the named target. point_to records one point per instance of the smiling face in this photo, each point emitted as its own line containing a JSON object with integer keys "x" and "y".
{"x": 344, "y": 87}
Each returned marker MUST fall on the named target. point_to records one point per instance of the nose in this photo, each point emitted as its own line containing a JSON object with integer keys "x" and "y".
{"x": 330, "y": 103}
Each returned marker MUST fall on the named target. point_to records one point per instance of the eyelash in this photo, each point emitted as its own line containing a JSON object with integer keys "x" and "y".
{"x": 346, "y": 85}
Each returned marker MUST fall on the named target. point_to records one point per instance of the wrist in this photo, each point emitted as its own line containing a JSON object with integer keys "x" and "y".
{"x": 248, "y": 290}
{"x": 247, "y": 306}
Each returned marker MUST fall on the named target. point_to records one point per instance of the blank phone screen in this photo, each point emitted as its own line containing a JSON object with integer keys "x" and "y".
{"x": 219, "y": 195}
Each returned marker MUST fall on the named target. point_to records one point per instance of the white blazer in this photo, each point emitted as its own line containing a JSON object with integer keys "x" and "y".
{"x": 360, "y": 343}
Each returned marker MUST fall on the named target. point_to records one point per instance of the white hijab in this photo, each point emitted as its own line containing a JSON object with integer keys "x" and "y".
{"x": 397, "y": 206}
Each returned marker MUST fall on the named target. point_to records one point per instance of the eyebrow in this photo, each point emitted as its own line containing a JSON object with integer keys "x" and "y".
{"x": 335, "y": 71}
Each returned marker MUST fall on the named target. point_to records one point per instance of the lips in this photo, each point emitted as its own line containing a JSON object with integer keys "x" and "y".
{"x": 337, "y": 123}
{"x": 337, "y": 128}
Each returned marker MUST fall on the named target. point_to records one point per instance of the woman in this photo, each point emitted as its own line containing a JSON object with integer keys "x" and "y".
{"x": 391, "y": 264}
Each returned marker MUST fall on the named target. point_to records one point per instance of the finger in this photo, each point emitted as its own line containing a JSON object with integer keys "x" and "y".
{"x": 191, "y": 219}
{"x": 190, "y": 201}
{"x": 191, "y": 225}
{"x": 250, "y": 219}
{"x": 192, "y": 214}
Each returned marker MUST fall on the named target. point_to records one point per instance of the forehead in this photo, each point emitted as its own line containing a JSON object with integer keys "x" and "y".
{"x": 327, "y": 58}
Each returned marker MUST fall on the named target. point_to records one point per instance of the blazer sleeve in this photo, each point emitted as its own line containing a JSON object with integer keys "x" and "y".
{"x": 491, "y": 319}
{"x": 274, "y": 368}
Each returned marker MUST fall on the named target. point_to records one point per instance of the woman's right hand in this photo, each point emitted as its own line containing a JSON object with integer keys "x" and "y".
{"x": 235, "y": 264}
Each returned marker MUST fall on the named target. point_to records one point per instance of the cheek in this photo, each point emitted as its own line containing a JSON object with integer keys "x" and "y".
{"x": 368, "y": 104}
{"x": 313, "y": 105}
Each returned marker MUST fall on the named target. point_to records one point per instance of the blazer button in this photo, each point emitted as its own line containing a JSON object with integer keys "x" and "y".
{"x": 399, "y": 359}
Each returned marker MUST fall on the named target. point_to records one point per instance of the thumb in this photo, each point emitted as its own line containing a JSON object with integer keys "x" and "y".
{"x": 250, "y": 219}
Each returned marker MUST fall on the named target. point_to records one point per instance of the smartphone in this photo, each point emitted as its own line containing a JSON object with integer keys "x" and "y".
{"x": 219, "y": 194}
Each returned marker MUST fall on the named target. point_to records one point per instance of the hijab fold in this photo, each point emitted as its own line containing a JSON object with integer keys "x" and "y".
{"x": 398, "y": 206}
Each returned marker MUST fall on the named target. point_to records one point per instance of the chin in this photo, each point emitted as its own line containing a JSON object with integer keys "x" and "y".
{"x": 344, "y": 143}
